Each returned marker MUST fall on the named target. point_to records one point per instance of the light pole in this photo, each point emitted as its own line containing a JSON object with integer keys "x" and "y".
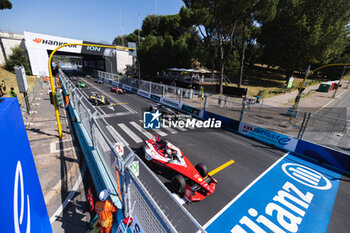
{"x": 297, "y": 99}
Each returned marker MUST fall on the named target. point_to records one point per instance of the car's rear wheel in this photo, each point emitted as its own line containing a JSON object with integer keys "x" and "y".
{"x": 107, "y": 102}
{"x": 179, "y": 184}
{"x": 202, "y": 169}
{"x": 96, "y": 102}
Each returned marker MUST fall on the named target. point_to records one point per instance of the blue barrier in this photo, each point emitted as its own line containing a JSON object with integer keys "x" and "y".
{"x": 324, "y": 155}
{"x": 23, "y": 203}
{"x": 226, "y": 122}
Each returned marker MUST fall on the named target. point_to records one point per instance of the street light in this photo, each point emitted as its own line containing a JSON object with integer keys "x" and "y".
{"x": 301, "y": 89}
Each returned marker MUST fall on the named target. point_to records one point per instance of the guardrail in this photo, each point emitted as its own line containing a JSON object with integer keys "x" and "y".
{"x": 144, "y": 197}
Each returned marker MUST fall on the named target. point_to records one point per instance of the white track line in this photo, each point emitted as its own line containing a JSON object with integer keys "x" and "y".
{"x": 111, "y": 97}
{"x": 337, "y": 97}
{"x": 70, "y": 195}
{"x": 158, "y": 131}
{"x": 116, "y": 135}
{"x": 143, "y": 131}
{"x": 241, "y": 193}
{"x": 130, "y": 133}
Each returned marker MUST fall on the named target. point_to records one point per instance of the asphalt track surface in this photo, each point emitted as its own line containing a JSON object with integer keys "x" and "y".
{"x": 212, "y": 147}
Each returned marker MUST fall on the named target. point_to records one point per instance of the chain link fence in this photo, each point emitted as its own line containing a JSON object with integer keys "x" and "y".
{"x": 147, "y": 198}
{"x": 327, "y": 131}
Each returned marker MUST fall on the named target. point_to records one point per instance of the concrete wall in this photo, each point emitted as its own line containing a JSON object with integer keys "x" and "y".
{"x": 123, "y": 59}
{"x": 7, "y": 41}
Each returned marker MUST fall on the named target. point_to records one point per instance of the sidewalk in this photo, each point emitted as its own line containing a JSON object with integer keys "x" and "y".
{"x": 57, "y": 160}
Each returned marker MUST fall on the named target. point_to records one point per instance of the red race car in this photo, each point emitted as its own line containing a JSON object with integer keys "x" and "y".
{"x": 117, "y": 90}
{"x": 193, "y": 182}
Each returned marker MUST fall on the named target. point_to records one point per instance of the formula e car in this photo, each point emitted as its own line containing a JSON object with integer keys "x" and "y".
{"x": 117, "y": 90}
{"x": 99, "y": 81}
{"x": 166, "y": 112}
{"x": 99, "y": 100}
{"x": 81, "y": 84}
{"x": 193, "y": 182}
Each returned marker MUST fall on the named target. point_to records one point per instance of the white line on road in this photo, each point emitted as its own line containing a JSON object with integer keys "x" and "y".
{"x": 143, "y": 131}
{"x": 111, "y": 97}
{"x": 130, "y": 133}
{"x": 158, "y": 131}
{"x": 116, "y": 135}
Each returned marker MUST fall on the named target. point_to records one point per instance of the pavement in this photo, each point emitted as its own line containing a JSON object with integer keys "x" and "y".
{"x": 59, "y": 162}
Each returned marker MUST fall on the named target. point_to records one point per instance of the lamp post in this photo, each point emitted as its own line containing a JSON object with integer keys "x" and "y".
{"x": 301, "y": 89}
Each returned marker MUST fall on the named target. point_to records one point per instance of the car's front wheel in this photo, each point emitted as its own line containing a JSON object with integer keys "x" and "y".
{"x": 179, "y": 184}
{"x": 202, "y": 169}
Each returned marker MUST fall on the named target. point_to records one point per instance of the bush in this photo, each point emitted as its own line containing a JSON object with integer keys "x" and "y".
{"x": 18, "y": 57}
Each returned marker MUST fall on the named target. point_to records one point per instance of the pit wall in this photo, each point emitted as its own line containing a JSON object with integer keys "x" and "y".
{"x": 328, "y": 156}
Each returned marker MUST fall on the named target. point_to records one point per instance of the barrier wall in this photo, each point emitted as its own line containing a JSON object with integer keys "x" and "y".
{"x": 23, "y": 205}
{"x": 324, "y": 155}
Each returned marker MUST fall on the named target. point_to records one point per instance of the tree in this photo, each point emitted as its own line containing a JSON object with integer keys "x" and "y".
{"x": 169, "y": 42}
{"x": 305, "y": 32}
{"x": 218, "y": 21}
{"x": 5, "y": 4}
{"x": 124, "y": 39}
{"x": 18, "y": 57}
{"x": 258, "y": 11}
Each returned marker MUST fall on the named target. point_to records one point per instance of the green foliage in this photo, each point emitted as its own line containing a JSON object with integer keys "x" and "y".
{"x": 305, "y": 32}
{"x": 18, "y": 57}
{"x": 168, "y": 42}
{"x": 5, "y": 4}
{"x": 123, "y": 40}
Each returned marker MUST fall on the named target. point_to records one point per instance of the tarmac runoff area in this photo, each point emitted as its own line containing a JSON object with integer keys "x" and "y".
{"x": 241, "y": 161}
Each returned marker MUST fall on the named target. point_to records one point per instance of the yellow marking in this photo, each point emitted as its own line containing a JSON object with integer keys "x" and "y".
{"x": 118, "y": 103}
{"x": 213, "y": 172}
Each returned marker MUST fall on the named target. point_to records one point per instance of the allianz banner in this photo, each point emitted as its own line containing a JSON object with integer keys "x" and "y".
{"x": 23, "y": 205}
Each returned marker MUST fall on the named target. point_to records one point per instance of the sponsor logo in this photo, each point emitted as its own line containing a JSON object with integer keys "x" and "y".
{"x": 190, "y": 110}
{"x": 193, "y": 123}
{"x": 92, "y": 48}
{"x": 266, "y": 134}
{"x": 170, "y": 102}
{"x": 19, "y": 183}
{"x": 37, "y": 40}
{"x": 52, "y": 42}
{"x": 306, "y": 176}
{"x": 289, "y": 206}
{"x": 151, "y": 120}
{"x": 143, "y": 93}
{"x": 155, "y": 98}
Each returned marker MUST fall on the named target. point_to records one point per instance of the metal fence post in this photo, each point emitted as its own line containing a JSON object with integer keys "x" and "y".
{"x": 181, "y": 92}
{"x": 306, "y": 123}
{"x": 163, "y": 92}
{"x": 301, "y": 126}
{"x": 205, "y": 102}
{"x": 243, "y": 109}
{"x": 149, "y": 88}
